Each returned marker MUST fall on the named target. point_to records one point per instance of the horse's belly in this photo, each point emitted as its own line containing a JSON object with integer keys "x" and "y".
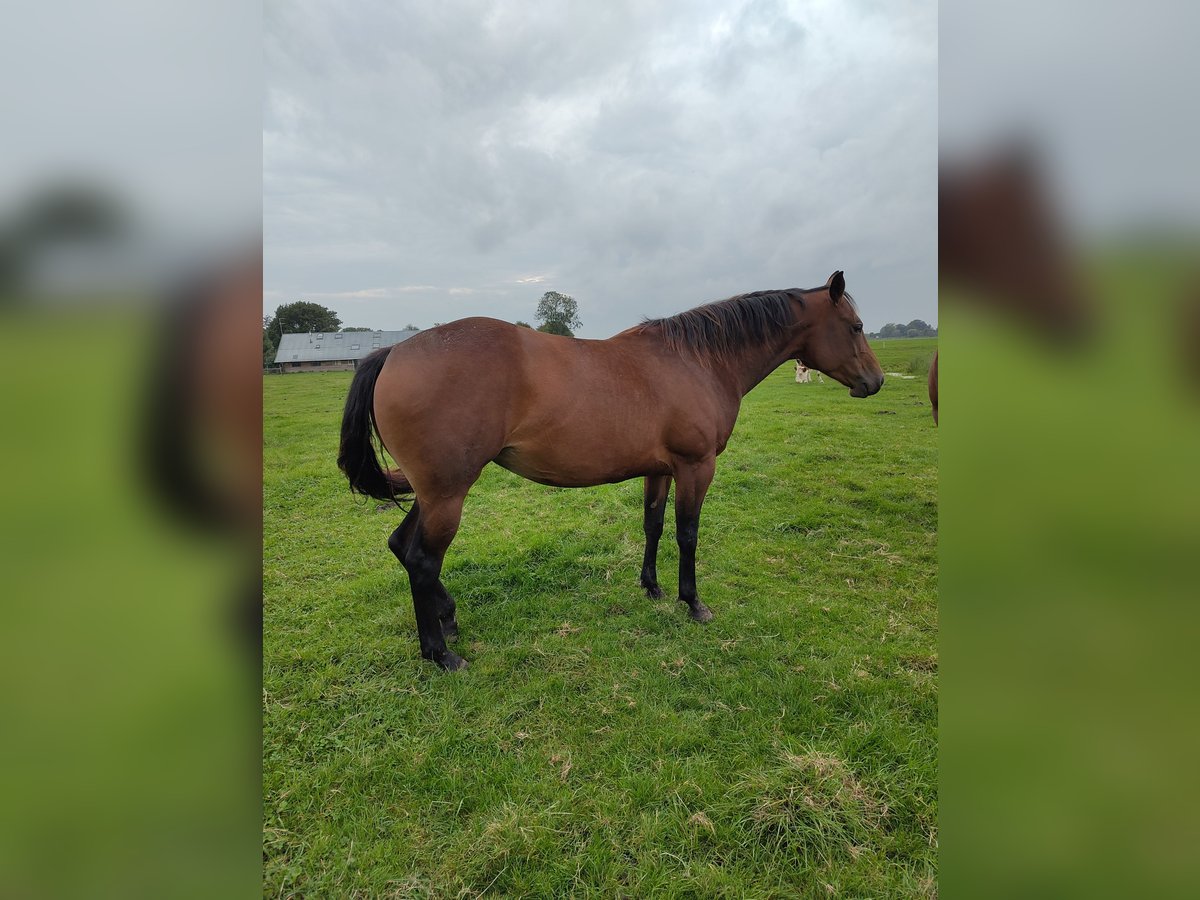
{"x": 559, "y": 469}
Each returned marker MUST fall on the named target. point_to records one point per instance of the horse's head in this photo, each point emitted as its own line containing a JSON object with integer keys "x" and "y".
{"x": 998, "y": 238}
{"x": 829, "y": 337}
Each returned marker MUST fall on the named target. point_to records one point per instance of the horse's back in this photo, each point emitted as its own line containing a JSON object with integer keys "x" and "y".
{"x": 463, "y": 334}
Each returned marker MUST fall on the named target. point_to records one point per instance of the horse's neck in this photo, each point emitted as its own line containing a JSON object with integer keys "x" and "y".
{"x": 744, "y": 370}
{"x": 755, "y": 363}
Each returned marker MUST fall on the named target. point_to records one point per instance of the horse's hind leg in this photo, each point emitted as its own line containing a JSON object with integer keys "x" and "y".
{"x": 399, "y": 543}
{"x": 655, "y": 506}
{"x": 420, "y": 544}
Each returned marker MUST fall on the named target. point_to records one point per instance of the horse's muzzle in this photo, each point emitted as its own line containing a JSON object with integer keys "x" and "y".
{"x": 867, "y": 386}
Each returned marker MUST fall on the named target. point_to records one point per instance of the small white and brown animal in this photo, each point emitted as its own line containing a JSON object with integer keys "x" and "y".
{"x": 804, "y": 374}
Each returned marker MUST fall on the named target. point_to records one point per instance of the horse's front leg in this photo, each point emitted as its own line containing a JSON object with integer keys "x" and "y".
{"x": 692, "y": 479}
{"x": 656, "y": 489}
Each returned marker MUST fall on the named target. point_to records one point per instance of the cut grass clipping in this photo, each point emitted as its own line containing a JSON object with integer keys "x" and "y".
{"x": 601, "y": 743}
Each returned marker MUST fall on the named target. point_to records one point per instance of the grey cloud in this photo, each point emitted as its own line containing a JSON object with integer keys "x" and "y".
{"x": 645, "y": 159}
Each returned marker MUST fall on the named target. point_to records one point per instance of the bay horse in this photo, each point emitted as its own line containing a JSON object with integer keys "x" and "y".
{"x": 933, "y": 387}
{"x": 1000, "y": 238}
{"x": 657, "y": 401}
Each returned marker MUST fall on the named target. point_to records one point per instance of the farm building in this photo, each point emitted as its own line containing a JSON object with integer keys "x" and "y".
{"x": 337, "y": 351}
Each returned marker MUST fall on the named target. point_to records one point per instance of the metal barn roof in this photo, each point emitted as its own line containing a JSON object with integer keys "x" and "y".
{"x": 324, "y": 346}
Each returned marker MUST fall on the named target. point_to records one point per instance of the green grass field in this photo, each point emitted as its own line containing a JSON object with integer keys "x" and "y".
{"x": 1068, "y": 591}
{"x": 603, "y": 744}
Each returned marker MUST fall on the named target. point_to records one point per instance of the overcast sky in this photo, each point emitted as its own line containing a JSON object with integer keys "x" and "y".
{"x": 1106, "y": 92}
{"x": 429, "y": 161}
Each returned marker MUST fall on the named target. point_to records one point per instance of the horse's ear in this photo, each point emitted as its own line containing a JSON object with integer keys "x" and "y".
{"x": 837, "y": 285}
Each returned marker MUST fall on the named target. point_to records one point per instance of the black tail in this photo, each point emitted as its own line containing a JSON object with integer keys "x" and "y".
{"x": 357, "y": 457}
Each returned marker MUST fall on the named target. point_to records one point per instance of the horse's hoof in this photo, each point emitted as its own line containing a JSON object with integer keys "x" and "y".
{"x": 701, "y": 613}
{"x": 452, "y": 662}
{"x": 653, "y": 591}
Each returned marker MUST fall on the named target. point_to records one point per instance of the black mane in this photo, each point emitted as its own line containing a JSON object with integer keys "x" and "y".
{"x": 718, "y": 329}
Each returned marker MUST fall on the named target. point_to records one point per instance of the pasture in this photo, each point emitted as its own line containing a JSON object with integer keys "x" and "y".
{"x": 601, "y": 743}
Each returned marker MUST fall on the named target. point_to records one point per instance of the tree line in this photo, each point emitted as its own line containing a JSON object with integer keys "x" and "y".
{"x": 555, "y": 314}
{"x": 915, "y": 328}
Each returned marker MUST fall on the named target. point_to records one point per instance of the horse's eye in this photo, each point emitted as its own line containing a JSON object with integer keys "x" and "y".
{"x": 857, "y": 329}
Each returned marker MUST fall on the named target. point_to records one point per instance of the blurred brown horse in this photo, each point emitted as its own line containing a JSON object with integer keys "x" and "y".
{"x": 201, "y": 434}
{"x": 999, "y": 239}
{"x": 657, "y": 401}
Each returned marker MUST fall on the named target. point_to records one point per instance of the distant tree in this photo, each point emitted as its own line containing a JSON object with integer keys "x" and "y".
{"x": 558, "y": 314}
{"x": 74, "y": 212}
{"x": 302, "y": 316}
{"x": 523, "y": 324}
{"x": 356, "y": 328}
{"x": 411, "y": 327}
{"x": 889, "y": 330}
{"x": 270, "y": 345}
